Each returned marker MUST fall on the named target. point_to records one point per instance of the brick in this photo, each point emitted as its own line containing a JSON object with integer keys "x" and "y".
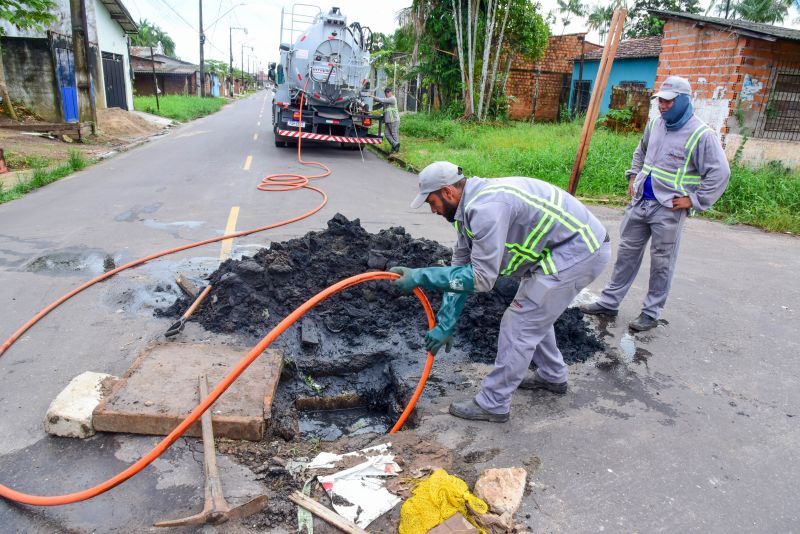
{"x": 502, "y": 489}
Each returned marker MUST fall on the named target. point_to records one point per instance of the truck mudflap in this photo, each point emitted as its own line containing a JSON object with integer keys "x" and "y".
{"x": 367, "y": 140}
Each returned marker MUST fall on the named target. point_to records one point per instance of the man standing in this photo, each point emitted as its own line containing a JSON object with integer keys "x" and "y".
{"x": 679, "y": 165}
{"x": 391, "y": 118}
{"x": 520, "y": 227}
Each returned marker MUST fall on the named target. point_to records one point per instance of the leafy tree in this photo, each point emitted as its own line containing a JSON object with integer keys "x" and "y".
{"x": 641, "y": 24}
{"x": 481, "y": 28}
{"x": 217, "y": 67}
{"x": 150, "y": 35}
{"x": 24, "y": 15}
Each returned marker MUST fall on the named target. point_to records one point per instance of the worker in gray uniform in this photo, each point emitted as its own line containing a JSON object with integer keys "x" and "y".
{"x": 678, "y": 166}
{"x": 519, "y": 227}
{"x": 391, "y": 118}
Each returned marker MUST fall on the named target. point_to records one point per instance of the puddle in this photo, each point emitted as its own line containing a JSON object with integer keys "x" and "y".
{"x": 630, "y": 352}
{"x": 75, "y": 261}
{"x": 330, "y": 425}
{"x": 133, "y": 213}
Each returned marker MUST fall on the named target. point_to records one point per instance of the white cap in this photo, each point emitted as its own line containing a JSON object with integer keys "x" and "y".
{"x": 435, "y": 176}
{"x": 672, "y": 87}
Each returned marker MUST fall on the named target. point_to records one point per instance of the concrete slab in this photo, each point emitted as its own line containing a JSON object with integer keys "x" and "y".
{"x": 160, "y": 389}
{"x": 70, "y": 413}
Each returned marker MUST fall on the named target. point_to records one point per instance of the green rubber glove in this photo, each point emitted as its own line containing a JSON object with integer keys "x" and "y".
{"x": 457, "y": 279}
{"x": 442, "y": 334}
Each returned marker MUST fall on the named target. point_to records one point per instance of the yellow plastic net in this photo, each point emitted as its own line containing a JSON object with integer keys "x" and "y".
{"x": 435, "y": 500}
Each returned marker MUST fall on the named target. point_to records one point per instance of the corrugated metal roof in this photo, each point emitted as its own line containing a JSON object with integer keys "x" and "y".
{"x": 120, "y": 14}
{"x": 745, "y": 27}
{"x": 631, "y": 48}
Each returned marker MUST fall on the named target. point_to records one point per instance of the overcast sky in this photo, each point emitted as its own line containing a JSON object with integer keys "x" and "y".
{"x": 179, "y": 18}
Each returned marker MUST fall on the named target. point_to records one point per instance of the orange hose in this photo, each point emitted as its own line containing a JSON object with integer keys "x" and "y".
{"x": 274, "y": 182}
{"x": 254, "y": 353}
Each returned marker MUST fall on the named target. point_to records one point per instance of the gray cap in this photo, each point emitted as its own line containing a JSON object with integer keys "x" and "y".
{"x": 435, "y": 176}
{"x": 672, "y": 87}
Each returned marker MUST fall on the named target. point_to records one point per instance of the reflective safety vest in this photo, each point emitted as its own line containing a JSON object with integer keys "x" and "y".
{"x": 516, "y": 226}
{"x": 678, "y": 160}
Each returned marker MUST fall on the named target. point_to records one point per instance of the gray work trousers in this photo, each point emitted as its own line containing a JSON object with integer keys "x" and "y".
{"x": 526, "y": 331}
{"x": 647, "y": 219}
{"x": 392, "y": 132}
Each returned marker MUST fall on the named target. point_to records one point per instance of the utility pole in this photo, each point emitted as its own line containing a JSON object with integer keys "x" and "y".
{"x": 83, "y": 76}
{"x": 230, "y": 37}
{"x": 202, "y": 80}
{"x": 243, "y": 47}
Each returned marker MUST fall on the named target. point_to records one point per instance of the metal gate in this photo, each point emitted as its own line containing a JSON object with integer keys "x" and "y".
{"x": 114, "y": 74}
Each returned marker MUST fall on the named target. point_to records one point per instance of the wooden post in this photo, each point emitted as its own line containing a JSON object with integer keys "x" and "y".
{"x": 609, "y": 51}
{"x": 326, "y": 514}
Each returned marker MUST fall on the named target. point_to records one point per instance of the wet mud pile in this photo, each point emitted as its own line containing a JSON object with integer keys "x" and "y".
{"x": 252, "y": 295}
{"x": 363, "y": 346}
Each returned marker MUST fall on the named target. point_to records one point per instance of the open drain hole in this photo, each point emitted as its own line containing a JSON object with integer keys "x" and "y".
{"x": 330, "y": 407}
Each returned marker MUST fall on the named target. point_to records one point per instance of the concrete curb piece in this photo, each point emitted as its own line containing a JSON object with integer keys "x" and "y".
{"x": 70, "y": 413}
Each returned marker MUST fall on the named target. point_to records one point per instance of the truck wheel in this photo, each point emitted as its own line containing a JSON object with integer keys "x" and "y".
{"x": 279, "y": 142}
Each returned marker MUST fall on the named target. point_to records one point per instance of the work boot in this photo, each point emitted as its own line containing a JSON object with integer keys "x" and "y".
{"x": 469, "y": 409}
{"x": 642, "y": 323}
{"x": 397, "y": 147}
{"x": 596, "y": 309}
{"x": 534, "y": 381}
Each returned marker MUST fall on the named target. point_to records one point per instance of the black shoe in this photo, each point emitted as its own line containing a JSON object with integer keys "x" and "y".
{"x": 596, "y": 309}
{"x": 534, "y": 381}
{"x": 469, "y": 409}
{"x": 397, "y": 147}
{"x": 642, "y": 323}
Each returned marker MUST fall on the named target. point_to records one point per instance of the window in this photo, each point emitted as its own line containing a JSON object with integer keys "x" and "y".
{"x": 581, "y": 93}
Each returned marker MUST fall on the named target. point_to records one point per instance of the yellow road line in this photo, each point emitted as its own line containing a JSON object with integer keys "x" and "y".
{"x": 255, "y": 136}
{"x": 248, "y": 162}
{"x": 227, "y": 244}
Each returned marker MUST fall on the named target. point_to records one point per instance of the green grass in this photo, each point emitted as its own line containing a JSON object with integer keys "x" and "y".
{"x": 179, "y": 108}
{"x": 42, "y": 176}
{"x": 768, "y": 198}
{"x": 16, "y": 161}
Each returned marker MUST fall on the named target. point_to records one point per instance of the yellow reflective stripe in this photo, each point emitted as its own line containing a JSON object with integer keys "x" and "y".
{"x": 535, "y": 236}
{"x": 691, "y": 143}
{"x": 565, "y": 218}
{"x": 527, "y": 251}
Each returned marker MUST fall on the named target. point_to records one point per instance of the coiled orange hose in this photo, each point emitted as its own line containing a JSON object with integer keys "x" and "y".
{"x": 274, "y": 182}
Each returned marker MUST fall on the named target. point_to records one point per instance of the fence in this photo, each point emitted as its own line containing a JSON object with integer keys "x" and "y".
{"x": 779, "y": 118}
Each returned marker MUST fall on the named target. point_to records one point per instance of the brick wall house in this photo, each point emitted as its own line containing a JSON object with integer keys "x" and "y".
{"x": 745, "y": 79}
{"x": 175, "y": 77}
{"x": 543, "y": 86}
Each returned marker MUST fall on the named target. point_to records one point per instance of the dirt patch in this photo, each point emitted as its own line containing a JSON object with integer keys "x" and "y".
{"x": 118, "y": 124}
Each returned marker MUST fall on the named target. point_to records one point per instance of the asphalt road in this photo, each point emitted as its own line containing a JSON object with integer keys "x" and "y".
{"x": 691, "y": 427}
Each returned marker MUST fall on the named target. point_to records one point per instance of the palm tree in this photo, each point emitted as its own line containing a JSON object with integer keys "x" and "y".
{"x": 569, "y": 9}
{"x": 600, "y": 19}
{"x": 765, "y": 11}
{"x": 150, "y": 35}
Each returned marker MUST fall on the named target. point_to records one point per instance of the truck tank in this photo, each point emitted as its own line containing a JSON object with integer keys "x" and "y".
{"x": 328, "y": 61}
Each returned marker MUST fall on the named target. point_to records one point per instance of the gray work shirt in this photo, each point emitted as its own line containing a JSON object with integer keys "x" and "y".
{"x": 517, "y": 226}
{"x": 689, "y": 162}
{"x": 390, "y": 112}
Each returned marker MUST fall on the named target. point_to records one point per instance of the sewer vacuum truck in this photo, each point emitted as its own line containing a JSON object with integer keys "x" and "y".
{"x": 326, "y": 61}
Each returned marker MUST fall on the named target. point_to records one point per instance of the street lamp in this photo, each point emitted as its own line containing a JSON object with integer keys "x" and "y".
{"x": 230, "y": 70}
